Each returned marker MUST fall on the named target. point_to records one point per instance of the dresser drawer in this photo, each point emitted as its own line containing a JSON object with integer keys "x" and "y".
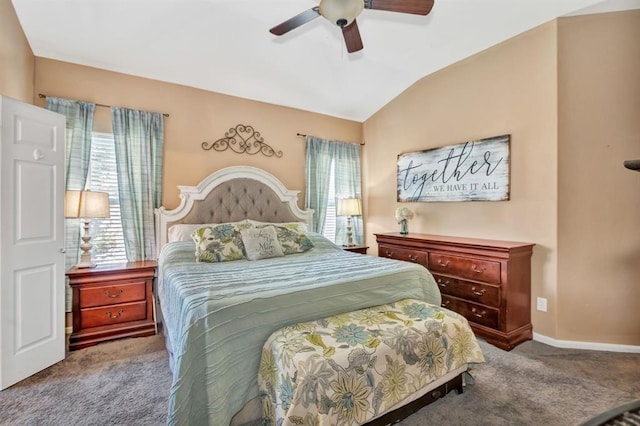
{"x": 475, "y": 292}
{"x": 475, "y": 269}
{"x": 113, "y": 314}
{"x": 403, "y": 254}
{"x": 473, "y": 312}
{"x": 112, "y": 294}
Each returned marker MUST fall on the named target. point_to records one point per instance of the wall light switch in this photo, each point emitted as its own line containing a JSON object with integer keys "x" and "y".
{"x": 542, "y": 304}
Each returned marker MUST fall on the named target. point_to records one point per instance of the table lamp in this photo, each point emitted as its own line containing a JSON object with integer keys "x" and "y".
{"x": 86, "y": 205}
{"x": 349, "y": 207}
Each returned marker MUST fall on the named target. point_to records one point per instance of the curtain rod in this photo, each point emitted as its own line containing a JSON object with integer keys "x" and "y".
{"x": 304, "y": 136}
{"x": 40, "y": 95}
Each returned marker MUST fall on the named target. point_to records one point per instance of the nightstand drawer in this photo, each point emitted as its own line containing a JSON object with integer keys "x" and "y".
{"x": 475, "y": 269}
{"x": 479, "y": 314}
{"x": 112, "y": 294}
{"x": 475, "y": 292}
{"x": 403, "y": 254}
{"x": 114, "y": 314}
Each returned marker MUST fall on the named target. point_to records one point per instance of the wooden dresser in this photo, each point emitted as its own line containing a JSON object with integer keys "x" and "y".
{"x": 487, "y": 281}
{"x": 111, "y": 301}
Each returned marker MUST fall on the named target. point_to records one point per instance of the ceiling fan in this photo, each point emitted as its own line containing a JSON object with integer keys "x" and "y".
{"x": 343, "y": 13}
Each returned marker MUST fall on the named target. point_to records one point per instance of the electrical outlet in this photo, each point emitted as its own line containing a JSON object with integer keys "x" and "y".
{"x": 542, "y": 304}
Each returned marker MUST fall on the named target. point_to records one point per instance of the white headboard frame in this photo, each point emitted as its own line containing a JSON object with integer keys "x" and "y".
{"x": 189, "y": 195}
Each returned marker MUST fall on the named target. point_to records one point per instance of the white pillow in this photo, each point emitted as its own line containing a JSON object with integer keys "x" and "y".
{"x": 296, "y": 226}
{"x": 261, "y": 243}
{"x": 183, "y": 231}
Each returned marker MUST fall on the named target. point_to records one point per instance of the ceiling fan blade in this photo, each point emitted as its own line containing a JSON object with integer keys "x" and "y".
{"x": 295, "y": 22}
{"x": 416, "y": 7}
{"x": 352, "y": 37}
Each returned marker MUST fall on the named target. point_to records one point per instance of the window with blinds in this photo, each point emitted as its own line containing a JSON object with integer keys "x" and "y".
{"x": 329, "y": 231}
{"x": 106, "y": 234}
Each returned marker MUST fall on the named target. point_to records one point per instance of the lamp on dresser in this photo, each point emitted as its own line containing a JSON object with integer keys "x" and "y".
{"x": 86, "y": 205}
{"x": 349, "y": 207}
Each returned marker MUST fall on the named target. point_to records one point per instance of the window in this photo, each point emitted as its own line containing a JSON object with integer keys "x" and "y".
{"x": 107, "y": 237}
{"x": 329, "y": 230}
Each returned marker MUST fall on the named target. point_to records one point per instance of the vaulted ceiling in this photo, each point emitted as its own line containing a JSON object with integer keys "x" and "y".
{"x": 225, "y": 45}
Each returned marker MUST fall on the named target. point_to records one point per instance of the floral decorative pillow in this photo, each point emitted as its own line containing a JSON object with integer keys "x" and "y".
{"x": 261, "y": 243}
{"x": 291, "y": 240}
{"x": 218, "y": 243}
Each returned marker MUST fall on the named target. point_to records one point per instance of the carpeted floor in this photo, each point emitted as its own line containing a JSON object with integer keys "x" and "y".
{"x": 127, "y": 382}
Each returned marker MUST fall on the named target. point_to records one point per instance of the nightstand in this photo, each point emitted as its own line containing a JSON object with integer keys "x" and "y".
{"x": 356, "y": 249}
{"x": 111, "y": 301}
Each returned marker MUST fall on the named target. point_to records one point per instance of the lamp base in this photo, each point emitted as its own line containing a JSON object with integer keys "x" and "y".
{"x": 85, "y": 261}
{"x": 350, "y": 242}
{"x": 86, "y": 246}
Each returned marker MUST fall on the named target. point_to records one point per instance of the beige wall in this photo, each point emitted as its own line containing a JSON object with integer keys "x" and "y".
{"x": 16, "y": 59}
{"x": 196, "y": 116}
{"x": 599, "y": 199}
{"x": 568, "y": 92}
{"x": 509, "y": 89}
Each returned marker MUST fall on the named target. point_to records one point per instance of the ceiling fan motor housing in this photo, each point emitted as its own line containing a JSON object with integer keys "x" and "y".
{"x": 341, "y": 12}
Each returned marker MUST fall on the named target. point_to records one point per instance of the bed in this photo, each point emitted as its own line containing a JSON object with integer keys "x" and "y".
{"x": 217, "y": 316}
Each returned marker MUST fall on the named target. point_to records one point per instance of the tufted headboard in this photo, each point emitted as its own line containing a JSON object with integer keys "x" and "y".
{"x": 229, "y": 195}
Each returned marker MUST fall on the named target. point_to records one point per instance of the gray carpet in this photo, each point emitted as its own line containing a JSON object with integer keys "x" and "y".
{"x": 126, "y": 382}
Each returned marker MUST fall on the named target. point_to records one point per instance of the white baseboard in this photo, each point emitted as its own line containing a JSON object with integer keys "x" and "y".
{"x": 570, "y": 344}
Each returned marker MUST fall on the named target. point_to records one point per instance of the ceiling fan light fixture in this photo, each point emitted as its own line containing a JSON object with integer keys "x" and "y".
{"x": 341, "y": 12}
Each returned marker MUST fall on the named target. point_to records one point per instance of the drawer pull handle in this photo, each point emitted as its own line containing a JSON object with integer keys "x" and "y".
{"x": 478, "y": 293}
{"x": 443, "y": 264}
{"x": 413, "y": 258}
{"x": 446, "y": 302}
{"x": 116, "y": 316}
{"x": 388, "y": 253}
{"x": 113, "y": 295}
{"x": 436, "y": 394}
{"x": 443, "y": 284}
{"x": 479, "y": 315}
{"x": 475, "y": 269}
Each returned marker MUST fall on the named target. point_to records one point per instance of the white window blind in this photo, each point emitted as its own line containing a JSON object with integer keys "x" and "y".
{"x": 106, "y": 234}
{"x": 329, "y": 231}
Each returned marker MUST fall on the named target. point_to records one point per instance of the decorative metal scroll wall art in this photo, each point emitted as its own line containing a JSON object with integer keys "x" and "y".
{"x": 242, "y": 139}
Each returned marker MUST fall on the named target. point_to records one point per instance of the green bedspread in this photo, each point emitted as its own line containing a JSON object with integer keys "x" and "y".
{"x": 217, "y": 316}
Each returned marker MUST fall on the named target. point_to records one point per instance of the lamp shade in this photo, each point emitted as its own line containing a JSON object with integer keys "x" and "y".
{"x": 86, "y": 204}
{"x": 341, "y": 12}
{"x": 349, "y": 207}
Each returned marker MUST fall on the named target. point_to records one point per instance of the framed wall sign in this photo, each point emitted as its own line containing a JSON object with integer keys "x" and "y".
{"x": 470, "y": 171}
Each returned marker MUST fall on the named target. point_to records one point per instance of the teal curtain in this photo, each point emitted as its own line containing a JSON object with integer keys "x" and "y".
{"x": 323, "y": 157}
{"x": 318, "y": 171}
{"x": 139, "y": 143}
{"x": 79, "y": 125}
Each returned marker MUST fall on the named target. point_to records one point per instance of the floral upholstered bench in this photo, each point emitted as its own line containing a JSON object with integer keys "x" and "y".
{"x": 376, "y": 364}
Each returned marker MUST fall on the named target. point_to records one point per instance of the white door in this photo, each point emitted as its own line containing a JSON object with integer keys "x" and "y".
{"x": 32, "y": 285}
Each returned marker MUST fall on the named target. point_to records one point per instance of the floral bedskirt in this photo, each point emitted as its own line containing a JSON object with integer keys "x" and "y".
{"x": 350, "y": 368}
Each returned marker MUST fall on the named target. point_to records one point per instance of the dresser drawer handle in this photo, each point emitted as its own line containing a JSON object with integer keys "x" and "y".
{"x": 388, "y": 253}
{"x": 446, "y": 302}
{"x": 478, "y": 293}
{"x": 479, "y": 315}
{"x": 113, "y": 295}
{"x": 116, "y": 316}
{"x": 443, "y": 264}
{"x": 475, "y": 269}
{"x": 413, "y": 258}
{"x": 443, "y": 284}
